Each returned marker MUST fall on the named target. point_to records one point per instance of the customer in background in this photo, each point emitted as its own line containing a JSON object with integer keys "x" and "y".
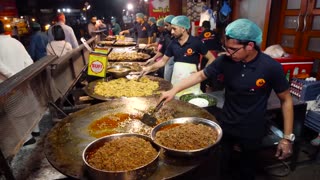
{"x": 15, "y": 33}
{"x": 38, "y": 42}
{"x": 249, "y": 78}
{"x": 59, "y": 46}
{"x": 95, "y": 25}
{"x": 142, "y": 28}
{"x": 153, "y": 29}
{"x": 13, "y": 59}
{"x": 13, "y": 56}
{"x": 68, "y": 31}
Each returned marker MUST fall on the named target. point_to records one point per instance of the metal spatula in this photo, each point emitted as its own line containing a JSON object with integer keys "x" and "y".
{"x": 149, "y": 119}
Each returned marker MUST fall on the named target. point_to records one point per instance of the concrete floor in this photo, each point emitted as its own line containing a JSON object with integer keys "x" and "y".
{"x": 31, "y": 164}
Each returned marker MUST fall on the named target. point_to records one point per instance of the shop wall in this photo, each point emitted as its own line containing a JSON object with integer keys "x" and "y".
{"x": 253, "y": 10}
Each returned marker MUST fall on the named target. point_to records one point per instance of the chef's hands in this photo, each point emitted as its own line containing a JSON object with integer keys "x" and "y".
{"x": 284, "y": 149}
{"x": 149, "y": 62}
{"x": 145, "y": 70}
{"x": 121, "y": 33}
{"x": 167, "y": 95}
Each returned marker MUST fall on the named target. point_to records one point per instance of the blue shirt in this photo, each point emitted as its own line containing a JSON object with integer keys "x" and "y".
{"x": 38, "y": 45}
{"x": 189, "y": 52}
{"x": 247, "y": 89}
{"x": 143, "y": 30}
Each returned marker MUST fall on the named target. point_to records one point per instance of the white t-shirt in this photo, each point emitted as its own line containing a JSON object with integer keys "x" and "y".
{"x": 58, "y": 48}
{"x": 13, "y": 57}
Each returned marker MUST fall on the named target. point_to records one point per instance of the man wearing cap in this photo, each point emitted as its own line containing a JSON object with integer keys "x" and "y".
{"x": 153, "y": 29}
{"x": 142, "y": 28}
{"x": 68, "y": 31}
{"x": 184, "y": 47}
{"x": 38, "y": 42}
{"x": 249, "y": 77}
{"x": 95, "y": 25}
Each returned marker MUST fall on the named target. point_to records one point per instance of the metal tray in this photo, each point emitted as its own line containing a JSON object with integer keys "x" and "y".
{"x": 66, "y": 141}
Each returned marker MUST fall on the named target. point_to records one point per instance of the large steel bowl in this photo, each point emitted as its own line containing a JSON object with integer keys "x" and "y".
{"x": 119, "y": 71}
{"x": 184, "y": 120}
{"x": 142, "y": 172}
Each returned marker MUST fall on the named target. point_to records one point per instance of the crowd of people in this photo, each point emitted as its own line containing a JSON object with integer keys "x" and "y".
{"x": 248, "y": 74}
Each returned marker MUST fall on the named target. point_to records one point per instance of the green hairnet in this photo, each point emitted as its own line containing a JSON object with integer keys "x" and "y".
{"x": 152, "y": 19}
{"x": 160, "y": 22}
{"x": 244, "y": 29}
{"x": 168, "y": 18}
{"x": 140, "y": 15}
{"x": 182, "y": 21}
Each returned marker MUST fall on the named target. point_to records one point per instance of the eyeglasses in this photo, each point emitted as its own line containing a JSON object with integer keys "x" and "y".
{"x": 234, "y": 50}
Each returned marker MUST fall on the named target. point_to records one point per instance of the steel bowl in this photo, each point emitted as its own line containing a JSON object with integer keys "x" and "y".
{"x": 142, "y": 172}
{"x": 184, "y": 120}
{"x": 119, "y": 71}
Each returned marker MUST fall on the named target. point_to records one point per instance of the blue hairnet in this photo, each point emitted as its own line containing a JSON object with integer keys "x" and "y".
{"x": 182, "y": 21}
{"x": 168, "y": 18}
{"x": 160, "y": 22}
{"x": 152, "y": 19}
{"x": 139, "y": 15}
{"x": 244, "y": 29}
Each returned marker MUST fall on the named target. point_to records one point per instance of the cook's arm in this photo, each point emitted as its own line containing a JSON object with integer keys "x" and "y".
{"x": 124, "y": 32}
{"x": 210, "y": 58}
{"x": 193, "y": 79}
{"x": 285, "y": 147}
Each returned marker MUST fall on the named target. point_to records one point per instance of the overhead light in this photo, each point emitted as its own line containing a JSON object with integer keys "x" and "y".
{"x": 84, "y": 18}
{"x": 21, "y": 17}
{"x": 64, "y": 10}
{"x": 58, "y": 10}
{"x": 145, "y": 0}
{"x": 33, "y": 19}
{"x": 46, "y": 27}
{"x": 130, "y": 6}
{"x": 5, "y": 18}
{"x": 68, "y": 10}
{"x": 123, "y": 10}
{"x": 88, "y": 7}
{"x": 8, "y": 25}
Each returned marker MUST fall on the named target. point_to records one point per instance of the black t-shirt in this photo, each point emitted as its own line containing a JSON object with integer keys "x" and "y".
{"x": 189, "y": 52}
{"x": 247, "y": 89}
{"x": 143, "y": 30}
{"x": 211, "y": 40}
{"x": 165, "y": 41}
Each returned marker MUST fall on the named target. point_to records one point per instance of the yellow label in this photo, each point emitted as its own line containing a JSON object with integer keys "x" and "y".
{"x": 97, "y": 65}
{"x": 101, "y": 50}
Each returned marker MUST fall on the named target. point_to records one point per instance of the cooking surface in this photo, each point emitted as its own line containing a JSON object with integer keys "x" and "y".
{"x": 66, "y": 141}
{"x": 89, "y": 89}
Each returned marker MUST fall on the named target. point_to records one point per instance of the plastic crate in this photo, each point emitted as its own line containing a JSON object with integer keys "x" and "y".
{"x": 304, "y": 90}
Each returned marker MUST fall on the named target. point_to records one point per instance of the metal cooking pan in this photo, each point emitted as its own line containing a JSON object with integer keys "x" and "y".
{"x": 89, "y": 89}
{"x": 66, "y": 141}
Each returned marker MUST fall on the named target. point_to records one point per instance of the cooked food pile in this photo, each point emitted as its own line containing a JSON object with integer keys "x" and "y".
{"x": 127, "y": 56}
{"x": 127, "y": 88}
{"x": 124, "y": 43}
{"x": 187, "y": 136}
{"x": 123, "y": 154}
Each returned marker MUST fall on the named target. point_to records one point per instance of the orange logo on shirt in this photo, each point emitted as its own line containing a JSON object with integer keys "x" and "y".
{"x": 207, "y": 34}
{"x": 189, "y": 51}
{"x": 260, "y": 82}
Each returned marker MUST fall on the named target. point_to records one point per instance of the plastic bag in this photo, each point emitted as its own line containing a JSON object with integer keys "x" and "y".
{"x": 225, "y": 9}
